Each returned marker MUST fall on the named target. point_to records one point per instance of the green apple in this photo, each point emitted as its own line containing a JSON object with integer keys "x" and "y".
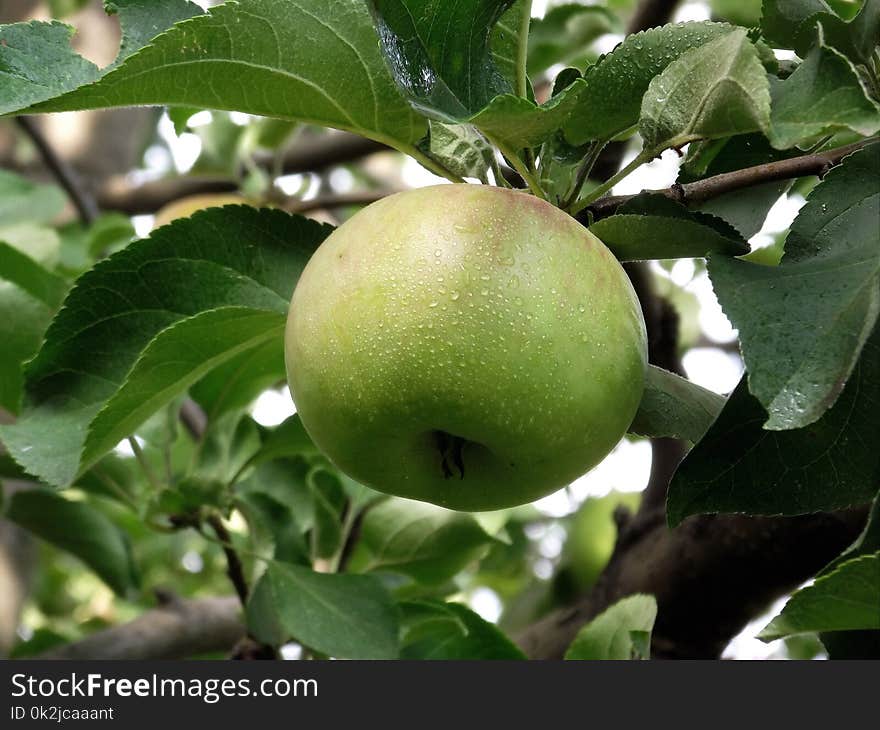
{"x": 465, "y": 345}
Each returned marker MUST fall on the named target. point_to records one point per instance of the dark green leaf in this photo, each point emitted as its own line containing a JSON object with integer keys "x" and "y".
{"x": 37, "y": 63}
{"x": 435, "y": 630}
{"x": 275, "y": 46}
{"x": 428, "y": 543}
{"x": 868, "y": 542}
{"x": 193, "y": 282}
{"x": 439, "y": 53}
{"x": 505, "y": 42}
{"x": 655, "y": 227}
{"x": 746, "y": 210}
{"x": 802, "y": 324}
{"x": 274, "y": 529}
{"x": 236, "y": 384}
{"x": 716, "y": 90}
{"x": 846, "y": 599}
{"x": 781, "y": 19}
{"x": 622, "y": 631}
{"x": 344, "y": 616}
{"x": 611, "y": 101}
{"x": 854, "y": 37}
{"x": 79, "y": 529}
{"x": 329, "y": 500}
{"x": 823, "y": 96}
{"x": 23, "y": 320}
{"x": 673, "y": 406}
{"x": 740, "y": 467}
{"x": 519, "y": 122}
{"x": 143, "y": 20}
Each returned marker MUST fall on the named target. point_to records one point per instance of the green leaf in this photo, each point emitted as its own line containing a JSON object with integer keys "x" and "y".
{"x": 108, "y": 234}
{"x": 855, "y": 37}
{"x": 228, "y": 445}
{"x": 676, "y": 407}
{"x": 622, "y": 631}
{"x": 176, "y": 358}
{"x": 428, "y": 543}
{"x": 656, "y": 227}
{"x": 37, "y": 63}
{"x": 143, "y": 20}
{"x": 79, "y": 529}
{"x": 507, "y": 45}
{"x": 519, "y": 122}
{"x": 781, "y": 19}
{"x": 439, "y": 53}
{"x": 23, "y": 320}
{"x": 191, "y": 279}
{"x": 858, "y": 37}
{"x": 436, "y": 630}
{"x": 746, "y": 210}
{"x": 716, "y": 90}
{"x": 564, "y": 34}
{"x": 274, "y": 529}
{"x": 611, "y": 101}
{"x": 460, "y": 148}
{"x": 278, "y": 47}
{"x": 235, "y": 384}
{"x": 28, "y": 275}
{"x": 741, "y": 12}
{"x": 846, "y": 599}
{"x": 287, "y": 439}
{"x": 22, "y": 200}
{"x": 823, "y": 96}
{"x": 344, "y": 616}
{"x": 329, "y": 502}
{"x": 740, "y": 467}
{"x": 802, "y": 324}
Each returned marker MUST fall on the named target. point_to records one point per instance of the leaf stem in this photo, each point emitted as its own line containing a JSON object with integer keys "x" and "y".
{"x": 584, "y": 172}
{"x": 639, "y": 160}
{"x": 522, "y": 78}
{"x": 517, "y": 163}
{"x": 144, "y": 464}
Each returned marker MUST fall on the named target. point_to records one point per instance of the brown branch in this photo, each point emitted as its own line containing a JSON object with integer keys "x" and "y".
{"x": 338, "y": 200}
{"x": 712, "y": 187}
{"x": 312, "y": 155}
{"x": 193, "y": 419}
{"x": 650, "y": 14}
{"x": 83, "y": 202}
{"x": 234, "y": 568}
{"x": 711, "y": 576}
{"x": 176, "y": 629}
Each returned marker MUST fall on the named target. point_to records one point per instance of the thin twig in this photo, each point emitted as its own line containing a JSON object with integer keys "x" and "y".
{"x": 712, "y": 187}
{"x": 83, "y": 202}
{"x": 234, "y": 568}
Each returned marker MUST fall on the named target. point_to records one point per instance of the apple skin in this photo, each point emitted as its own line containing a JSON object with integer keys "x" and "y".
{"x": 185, "y": 207}
{"x": 465, "y": 345}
